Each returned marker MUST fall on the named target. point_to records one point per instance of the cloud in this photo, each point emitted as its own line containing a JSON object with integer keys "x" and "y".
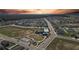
{"x": 38, "y": 11}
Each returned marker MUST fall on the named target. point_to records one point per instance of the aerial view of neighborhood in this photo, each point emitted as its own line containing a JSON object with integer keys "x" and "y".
{"x": 55, "y": 30}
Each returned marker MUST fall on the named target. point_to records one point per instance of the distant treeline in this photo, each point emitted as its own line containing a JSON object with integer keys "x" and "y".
{"x": 6, "y": 17}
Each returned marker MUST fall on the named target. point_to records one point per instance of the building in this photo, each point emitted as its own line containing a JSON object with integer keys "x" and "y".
{"x": 46, "y": 31}
{"x": 43, "y": 31}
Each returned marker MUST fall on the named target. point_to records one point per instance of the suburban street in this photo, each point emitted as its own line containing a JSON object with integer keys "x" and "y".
{"x": 51, "y": 37}
{"x": 41, "y": 46}
{"x": 24, "y": 43}
{"x": 24, "y": 26}
{"x": 16, "y": 41}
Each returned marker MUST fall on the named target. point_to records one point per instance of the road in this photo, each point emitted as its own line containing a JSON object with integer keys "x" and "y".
{"x": 21, "y": 26}
{"x": 42, "y": 46}
{"x": 24, "y": 26}
{"x": 20, "y": 42}
{"x": 16, "y": 41}
{"x": 51, "y": 37}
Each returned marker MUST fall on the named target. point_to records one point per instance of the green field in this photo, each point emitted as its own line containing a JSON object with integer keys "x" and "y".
{"x": 20, "y": 32}
{"x": 63, "y": 44}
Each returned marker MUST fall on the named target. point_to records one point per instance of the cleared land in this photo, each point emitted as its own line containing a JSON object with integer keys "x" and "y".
{"x": 16, "y": 32}
{"x": 63, "y": 44}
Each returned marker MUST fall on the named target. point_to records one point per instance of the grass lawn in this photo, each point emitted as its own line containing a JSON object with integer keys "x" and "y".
{"x": 63, "y": 44}
{"x": 20, "y": 32}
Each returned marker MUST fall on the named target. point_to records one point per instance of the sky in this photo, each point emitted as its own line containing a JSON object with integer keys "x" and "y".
{"x": 39, "y": 11}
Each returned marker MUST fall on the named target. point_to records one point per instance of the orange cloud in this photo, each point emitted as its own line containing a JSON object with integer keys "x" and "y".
{"x": 38, "y": 11}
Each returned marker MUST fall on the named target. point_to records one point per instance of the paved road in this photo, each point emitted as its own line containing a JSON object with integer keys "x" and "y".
{"x": 21, "y": 26}
{"x": 42, "y": 46}
{"x": 21, "y": 42}
{"x": 25, "y": 26}
{"x": 47, "y": 41}
{"x": 16, "y": 41}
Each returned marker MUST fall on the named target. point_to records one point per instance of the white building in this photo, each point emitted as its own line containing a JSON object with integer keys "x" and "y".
{"x": 46, "y": 30}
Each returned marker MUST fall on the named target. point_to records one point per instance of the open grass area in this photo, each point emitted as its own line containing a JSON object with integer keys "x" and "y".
{"x": 16, "y": 32}
{"x": 63, "y": 44}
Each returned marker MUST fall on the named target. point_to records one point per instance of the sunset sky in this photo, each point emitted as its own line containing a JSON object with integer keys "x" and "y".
{"x": 39, "y": 11}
